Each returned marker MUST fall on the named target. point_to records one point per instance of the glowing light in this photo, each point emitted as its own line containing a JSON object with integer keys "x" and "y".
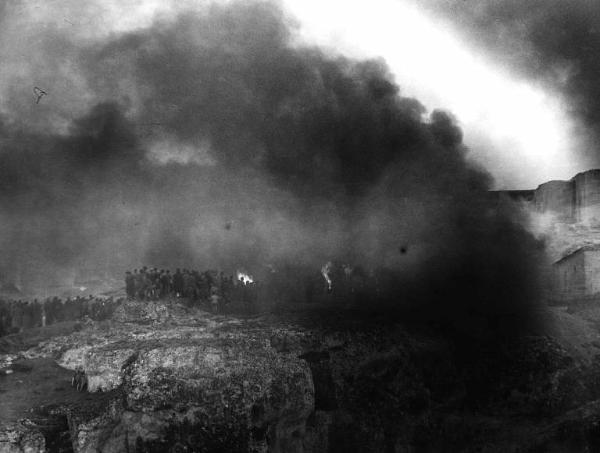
{"x": 528, "y": 131}
{"x": 528, "y": 125}
{"x": 325, "y": 271}
{"x": 244, "y": 277}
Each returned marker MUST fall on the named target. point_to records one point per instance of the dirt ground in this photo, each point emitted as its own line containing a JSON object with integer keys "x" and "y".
{"x": 35, "y": 383}
{"x": 26, "y": 384}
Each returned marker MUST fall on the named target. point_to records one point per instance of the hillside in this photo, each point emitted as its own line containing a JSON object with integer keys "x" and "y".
{"x": 162, "y": 377}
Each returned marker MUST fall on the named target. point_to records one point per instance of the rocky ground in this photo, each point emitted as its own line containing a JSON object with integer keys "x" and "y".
{"x": 162, "y": 377}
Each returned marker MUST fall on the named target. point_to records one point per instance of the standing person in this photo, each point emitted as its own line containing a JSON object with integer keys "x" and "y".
{"x": 49, "y": 311}
{"x": 129, "y": 285}
{"x": 214, "y": 300}
{"x": 73, "y": 309}
{"x": 178, "y": 283}
{"x": 170, "y": 284}
{"x": 137, "y": 284}
{"x": 4, "y": 318}
{"x": 146, "y": 284}
{"x": 227, "y": 288}
{"x": 188, "y": 286}
{"x": 36, "y": 313}
{"x": 154, "y": 285}
{"x": 142, "y": 285}
{"x": 17, "y": 315}
{"x": 165, "y": 283}
{"x": 58, "y": 309}
{"x": 47, "y": 314}
{"x": 44, "y": 314}
{"x": 69, "y": 309}
{"x": 27, "y": 315}
{"x": 205, "y": 286}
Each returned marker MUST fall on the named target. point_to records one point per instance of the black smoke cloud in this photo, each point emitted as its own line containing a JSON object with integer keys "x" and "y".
{"x": 552, "y": 42}
{"x": 218, "y": 118}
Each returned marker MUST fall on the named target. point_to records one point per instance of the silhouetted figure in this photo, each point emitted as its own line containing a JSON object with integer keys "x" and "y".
{"x": 178, "y": 283}
{"x": 129, "y": 285}
{"x": 165, "y": 284}
{"x": 79, "y": 381}
{"x": 214, "y": 300}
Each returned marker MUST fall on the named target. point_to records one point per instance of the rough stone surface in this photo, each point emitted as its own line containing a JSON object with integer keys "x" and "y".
{"x": 557, "y": 197}
{"x": 21, "y": 438}
{"x": 185, "y": 380}
{"x": 576, "y": 200}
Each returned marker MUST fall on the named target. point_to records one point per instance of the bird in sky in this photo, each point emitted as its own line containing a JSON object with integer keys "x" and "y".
{"x": 39, "y": 93}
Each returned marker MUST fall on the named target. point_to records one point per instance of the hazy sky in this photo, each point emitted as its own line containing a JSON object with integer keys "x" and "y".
{"x": 246, "y": 136}
{"x": 518, "y": 129}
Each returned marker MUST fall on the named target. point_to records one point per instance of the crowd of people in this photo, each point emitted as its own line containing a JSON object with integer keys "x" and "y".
{"x": 17, "y": 314}
{"x": 212, "y": 288}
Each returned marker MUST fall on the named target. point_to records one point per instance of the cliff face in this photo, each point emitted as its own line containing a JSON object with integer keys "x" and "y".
{"x": 576, "y": 200}
{"x": 557, "y": 197}
{"x": 587, "y": 196}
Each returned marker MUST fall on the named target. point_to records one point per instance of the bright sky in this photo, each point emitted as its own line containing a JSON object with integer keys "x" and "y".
{"x": 517, "y": 131}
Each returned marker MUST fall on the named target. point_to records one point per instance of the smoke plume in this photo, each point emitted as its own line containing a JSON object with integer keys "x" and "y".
{"x": 551, "y": 42}
{"x": 213, "y": 139}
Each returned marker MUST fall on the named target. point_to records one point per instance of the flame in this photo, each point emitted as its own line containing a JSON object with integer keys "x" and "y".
{"x": 244, "y": 278}
{"x": 325, "y": 270}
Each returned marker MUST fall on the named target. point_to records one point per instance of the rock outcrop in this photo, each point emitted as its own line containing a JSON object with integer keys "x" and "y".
{"x": 164, "y": 378}
{"x": 21, "y": 438}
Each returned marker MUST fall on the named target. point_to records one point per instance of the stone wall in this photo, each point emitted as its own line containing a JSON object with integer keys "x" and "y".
{"x": 592, "y": 271}
{"x": 587, "y": 196}
{"x": 570, "y": 276}
{"x": 557, "y": 197}
{"x": 576, "y": 200}
{"x": 577, "y": 276}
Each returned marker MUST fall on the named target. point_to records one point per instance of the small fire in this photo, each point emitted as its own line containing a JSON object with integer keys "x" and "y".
{"x": 244, "y": 278}
{"x": 325, "y": 270}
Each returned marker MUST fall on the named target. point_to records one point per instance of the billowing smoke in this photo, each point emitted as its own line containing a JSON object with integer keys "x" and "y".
{"x": 214, "y": 139}
{"x": 553, "y": 42}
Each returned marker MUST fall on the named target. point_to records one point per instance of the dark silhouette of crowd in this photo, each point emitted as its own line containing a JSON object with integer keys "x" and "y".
{"x": 286, "y": 285}
{"x": 213, "y": 289}
{"x": 17, "y": 315}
